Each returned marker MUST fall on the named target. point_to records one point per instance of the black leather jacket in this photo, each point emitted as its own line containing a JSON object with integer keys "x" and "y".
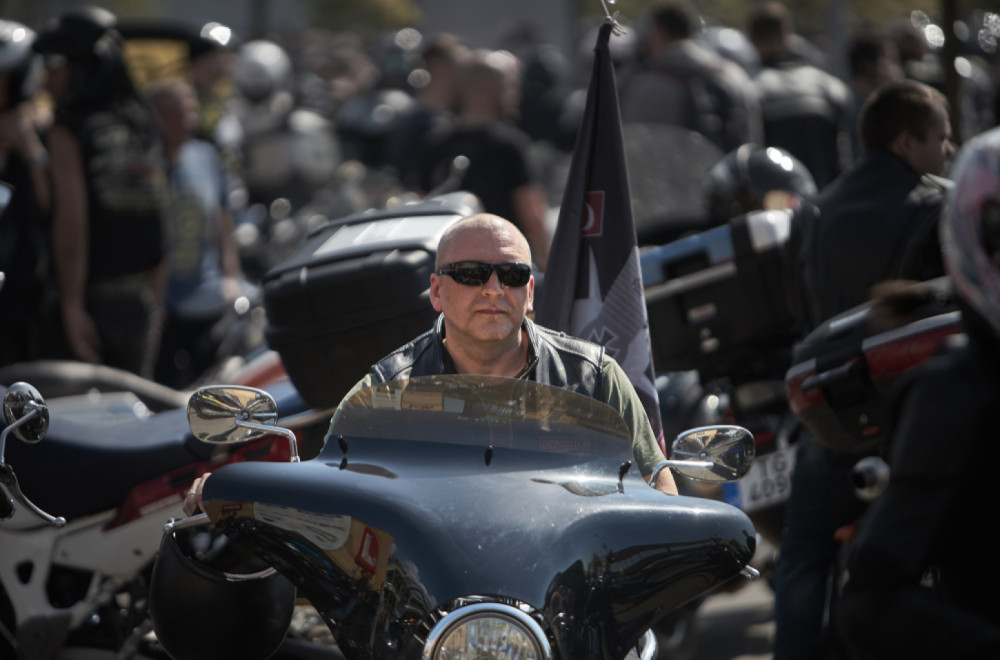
{"x": 806, "y": 111}
{"x": 936, "y": 512}
{"x": 692, "y": 86}
{"x": 877, "y": 221}
{"x": 554, "y": 359}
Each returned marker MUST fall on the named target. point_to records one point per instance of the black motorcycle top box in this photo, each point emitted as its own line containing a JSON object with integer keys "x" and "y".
{"x": 358, "y": 288}
{"x": 718, "y": 300}
{"x": 843, "y": 372}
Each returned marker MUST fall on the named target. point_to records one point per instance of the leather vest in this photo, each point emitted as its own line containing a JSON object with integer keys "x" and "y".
{"x": 554, "y": 358}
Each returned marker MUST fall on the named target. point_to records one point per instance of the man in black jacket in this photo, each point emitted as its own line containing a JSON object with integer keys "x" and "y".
{"x": 877, "y": 221}
{"x": 930, "y": 518}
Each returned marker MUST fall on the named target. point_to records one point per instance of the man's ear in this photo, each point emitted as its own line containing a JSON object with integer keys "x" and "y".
{"x": 902, "y": 145}
{"x": 435, "y": 292}
{"x": 530, "y": 302}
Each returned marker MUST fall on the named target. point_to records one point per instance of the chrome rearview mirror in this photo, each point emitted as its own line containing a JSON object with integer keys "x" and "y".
{"x": 233, "y": 414}
{"x": 26, "y": 414}
{"x": 27, "y": 419}
{"x": 711, "y": 453}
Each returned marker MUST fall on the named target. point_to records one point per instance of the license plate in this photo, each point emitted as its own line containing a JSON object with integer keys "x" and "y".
{"x": 769, "y": 482}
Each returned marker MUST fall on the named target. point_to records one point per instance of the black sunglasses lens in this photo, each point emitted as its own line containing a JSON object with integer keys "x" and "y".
{"x": 513, "y": 274}
{"x": 471, "y": 274}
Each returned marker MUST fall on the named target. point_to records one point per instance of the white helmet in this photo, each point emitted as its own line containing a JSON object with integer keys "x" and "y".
{"x": 262, "y": 69}
{"x": 970, "y": 226}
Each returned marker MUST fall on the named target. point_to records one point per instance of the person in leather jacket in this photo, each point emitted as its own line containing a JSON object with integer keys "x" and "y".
{"x": 804, "y": 108}
{"x": 484, "y": 290}
{"x": 484, "y": 329}
{"x": 685, "y": 83}
{"x": 877, "y": 221}
{"x": 934, "y": 516}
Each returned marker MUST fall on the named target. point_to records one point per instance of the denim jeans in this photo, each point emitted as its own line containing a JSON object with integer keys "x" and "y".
{"x": 821, "y": 501}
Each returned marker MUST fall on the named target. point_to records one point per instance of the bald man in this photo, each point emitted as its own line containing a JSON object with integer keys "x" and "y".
{"x": 484, "y": 290}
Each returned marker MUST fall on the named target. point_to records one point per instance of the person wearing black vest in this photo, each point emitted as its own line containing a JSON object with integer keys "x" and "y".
{"x": 109, "y": 187}
{"x": 483, "y": 287}
{"x": 484, "y": 329}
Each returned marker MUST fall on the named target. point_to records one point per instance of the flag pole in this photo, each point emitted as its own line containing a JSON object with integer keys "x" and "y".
{"x": 617, "y": 28}
{"x": 593, "y": 285}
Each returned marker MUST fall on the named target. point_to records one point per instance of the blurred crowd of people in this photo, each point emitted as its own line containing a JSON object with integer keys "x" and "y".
{"x": 141, "y": 182}
{"x": 153, "y": 188}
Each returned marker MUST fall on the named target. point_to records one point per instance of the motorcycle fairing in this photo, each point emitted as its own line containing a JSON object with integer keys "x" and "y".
{"x": 599, "y": 558}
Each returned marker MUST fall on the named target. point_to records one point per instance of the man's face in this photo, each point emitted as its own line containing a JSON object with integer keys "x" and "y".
{"x": 930, "y": 155}
{"x": 491, "y": 312}
{"x": 178, "y": 115}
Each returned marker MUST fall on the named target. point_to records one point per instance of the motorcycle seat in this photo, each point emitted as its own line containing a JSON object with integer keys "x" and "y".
{"x": 86, "y": 467}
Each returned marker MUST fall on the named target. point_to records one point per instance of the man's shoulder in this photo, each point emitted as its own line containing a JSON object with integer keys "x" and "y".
{"x": 403, "y": 361}
{"x": 877, "y": 179}
{"x": 570, "y": 344}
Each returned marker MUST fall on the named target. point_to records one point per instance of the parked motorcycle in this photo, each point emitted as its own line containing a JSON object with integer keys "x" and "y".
{"x": 451, "y": 517}
{"x": 718, "y": 314}
{"x": 81, "y": 517}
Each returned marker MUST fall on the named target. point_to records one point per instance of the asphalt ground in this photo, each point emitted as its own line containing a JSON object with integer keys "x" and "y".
{"x": 737, "y": 625}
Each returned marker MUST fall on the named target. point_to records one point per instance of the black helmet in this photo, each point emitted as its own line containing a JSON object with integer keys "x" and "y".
{"x": 76, "y": 33}
{"x": 216, "y": 608}
{"x": 754, "y": 178}
{"x": 970, "y": 226}
{"x": 22, "y": 66}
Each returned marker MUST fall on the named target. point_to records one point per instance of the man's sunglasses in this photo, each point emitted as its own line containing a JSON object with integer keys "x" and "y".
{"x": 477, "y": 273}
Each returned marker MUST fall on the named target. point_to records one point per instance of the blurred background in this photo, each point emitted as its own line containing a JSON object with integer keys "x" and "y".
{"x": 483, "y": 22}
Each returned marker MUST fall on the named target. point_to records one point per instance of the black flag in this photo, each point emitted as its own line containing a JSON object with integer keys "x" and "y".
{"x": 593, "y": 286}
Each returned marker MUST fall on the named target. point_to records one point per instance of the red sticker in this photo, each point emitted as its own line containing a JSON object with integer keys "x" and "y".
{"x": 367, "y": 557}
{"x": 594, "y": 206}
{"x": 230, "y": 509}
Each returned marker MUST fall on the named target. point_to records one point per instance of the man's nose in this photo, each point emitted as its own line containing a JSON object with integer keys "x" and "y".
{"x": 493, "y": 285}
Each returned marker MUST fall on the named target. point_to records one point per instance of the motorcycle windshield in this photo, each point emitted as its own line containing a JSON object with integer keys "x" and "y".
{"x": 484, "y": 411}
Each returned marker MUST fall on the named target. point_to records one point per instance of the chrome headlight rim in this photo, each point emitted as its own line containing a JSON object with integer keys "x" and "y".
{"x": 478, "y": 610}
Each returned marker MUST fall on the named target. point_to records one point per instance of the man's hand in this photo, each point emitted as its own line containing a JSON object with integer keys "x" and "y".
{"x": 665, "y": 482}
{"x": 81, "y": 333}
{"x": 192, "y": 498}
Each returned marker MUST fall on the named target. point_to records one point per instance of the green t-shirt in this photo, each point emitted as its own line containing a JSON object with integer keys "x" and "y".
{"x": 621, "y": 395}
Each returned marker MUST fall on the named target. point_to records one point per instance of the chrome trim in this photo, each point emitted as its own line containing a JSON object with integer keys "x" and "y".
{"x": 649, "y": 646}
{"x": 456, "y": 616}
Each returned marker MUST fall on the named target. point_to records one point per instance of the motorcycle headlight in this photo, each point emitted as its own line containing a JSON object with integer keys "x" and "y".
{"x": 487, "y": 631}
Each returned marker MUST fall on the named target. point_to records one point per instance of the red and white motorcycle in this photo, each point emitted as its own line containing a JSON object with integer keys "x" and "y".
{"x": 82, "y": 516}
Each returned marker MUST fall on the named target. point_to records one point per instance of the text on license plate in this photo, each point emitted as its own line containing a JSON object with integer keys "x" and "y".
{"x": 769, "y": 482}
